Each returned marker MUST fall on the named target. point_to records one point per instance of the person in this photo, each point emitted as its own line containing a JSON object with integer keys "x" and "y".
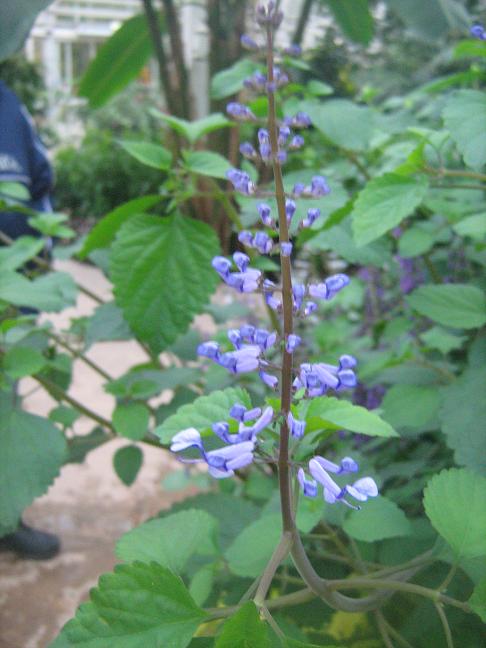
{"x": 23, "y": 159}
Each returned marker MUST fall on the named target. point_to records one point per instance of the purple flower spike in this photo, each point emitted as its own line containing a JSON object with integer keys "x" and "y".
{"x": 283, "y": 135}
{"x": 246, "y": 238}
{"x": 293, "y": 341}
{"x": 238, "y": 412}
{"x": 268, "y": 379}
{"x": 234, "y": 336}
{"x": 248, "y": 42}
{"x": 263, "y": 242}
{"x": 309, "y": 308}
{"x": 282, "y": 156}
{"x": 241, "y": 260}
{"x": 186, "y": 439}
{"x": 242, "y": 360}
{"x": 263, "y": 422}
{"x": 224, "y": 461}
{"x": 331, "y": 286}
{"x": 221, "y": 429}
{"x": 241, "y": 181}
{"x": 290, "y": 208}
{"x": 347, "y": 465}
{"x": 296, "y": 142}
{"x": 362, "y": 489}
{"x": 264, "y": 339}
{"x": 308, "y": 486}
{"x": 298, "y": 291}
{"x": 221, "y": 265}
{"x": 265, "y": 214}
{"x": 239, "y": 111}
{"x": 301, "y": 120}
{"x": 209, "y": 350}
{"x": 312, "y": 215}
{"x": 248, "y": 332}
{"x": 319, "y": 186}
{"x": 478, "y": 32}
{"x": 296, "y": 427}
{"x": 347, "y": 362}
{"x": 264, "y": 144}
{"x": 248, "y": 150}
{"x": 298, "y": 189}
{"x": 286, "y": 249}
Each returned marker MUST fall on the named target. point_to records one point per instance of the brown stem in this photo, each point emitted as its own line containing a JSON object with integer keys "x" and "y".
{"x": 302, "y": 22}
{"x": 174, "y": 29}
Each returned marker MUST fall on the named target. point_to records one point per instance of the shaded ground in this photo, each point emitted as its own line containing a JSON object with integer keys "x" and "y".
{"x": 87, "y": 506}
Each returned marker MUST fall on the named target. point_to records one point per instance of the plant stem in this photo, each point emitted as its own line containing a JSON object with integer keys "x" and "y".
{"x": 454, "y": 173}
{"x": 383, "y": 629}
{"x": 80, "y": 356}
{"x": 392, "y": 631}
{"x": 295, "y": 598}
{"x": 280, "y": 553}
{"x": 273, "y": 624}
{"x": 445, "y": 625}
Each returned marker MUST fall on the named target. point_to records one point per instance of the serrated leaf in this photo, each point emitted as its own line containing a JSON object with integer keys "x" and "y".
{"x": 455, "y": 501}
{"x": 148, "y": 153}
{"x": 354, "y": 18}
{"x": 127, "y": 462}
{"x": 229, "y": 81}
{"x": 477, "y": 600}
{"x": 384, "y": 203}
{"x": 21, "y": 250}
{"x": 455, "y": 305}
{"x": 343, "y": 122}
{"x": 22, "y": 361}
{"x": 131, "y": 420}
{"x": 206, "y": 163}
{"x": 105, "y": 230}
{"x": 379, "y": 518}
{"x": 465, "y": 116}
{"x": 438, "y": 338}
{"x": 251, "y": 550}
{"x": 202, "y": 412}
{"x": 328, "y": 412}
{"x": 193, "y": 130}
{"x": 463, "y": 415}
{"x": 32, "y": 451}
{"x": 136, "y": 605}
{"x": 118, "y": 61}
{"x": 171, "y": 540}
{"x": 162, "y": 274}
{"x": 244, "y": 629}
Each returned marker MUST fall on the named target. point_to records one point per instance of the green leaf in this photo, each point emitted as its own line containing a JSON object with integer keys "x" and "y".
{"x": 105, "y": 231}
{"x": 202, "y": 412}
{"x": 16, "y": 20}
{"x": 161, "y": 270}
{"x": 51, "y": 293}
{"x": 378, "y": 519}
{"x": 354, "y": 18}
{"x": 463, "y": 415}
{"x": 455, "y": 501}
{"x": 171, "y": 540}
{"x": 244, "y": 629}
{"x": 470, "y": 48}
{"x": 206, "y": 163}
{"x": 79, "y": 446}
{"x": 343, "y": 122}
{"x": 64, "y": 415}
{"x": 473, "y": 226}
{"x": 230, "y": 81}
{"x": 251, "y": 550}
{"x": 107, "y": 323}
{"x": 22, "y": 361}
{"x": 414, "y": 242}
{"x": 32, "y": 451}
{"x": 455, "y": 305}
{"x": 152, "y": 155}
{"x": 51, "y": 224}
{"x": 411, "y": 406}
{"x": 202, "y": 582}
{"x": 465, "y": 116}
{"x": 339, "y": 240}
{"x": 193, "y": 130}
{"x": 384, "y": 203}
{"x": 127, "y": 462}
{"x": 118, "y": 61}
{"x": 318, "y": 88}
{"x": 21, "y": 250}
{"x": 144, "y": 383}
{"x": 438, "y": 338}
{"x": 131, "y": 420}
{"x": 431, "y": 19}
{"x": 328, "y": 412}
{"x": 477, "y": 600}
{"x": 136, "y": 605}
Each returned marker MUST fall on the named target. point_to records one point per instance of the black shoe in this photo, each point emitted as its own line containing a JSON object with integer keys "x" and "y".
{"x": 31, "y": 543}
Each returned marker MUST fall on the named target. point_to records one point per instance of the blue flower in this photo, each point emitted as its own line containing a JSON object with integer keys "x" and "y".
{"x": 286, "y": 249}
{"x": 265, "y": 214}
{"x": 478, "y": 32}
{"x": 248, "y": 42}
{"x": 241, "y": 181}
{"x": 329, "y": 288}
{"x": 269, "y": 380}
{"x": 296, "y": 427}
{"x": 312, "y": 215}
{"x": 240, "y": 111}
{"x": 248, "y": 150}
{"x": 292, "y": 342}
{"x": 317, "y": 378}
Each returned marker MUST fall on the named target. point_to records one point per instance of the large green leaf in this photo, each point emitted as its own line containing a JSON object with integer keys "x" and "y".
{"x": 339, "y": 239}
{"x": 463, "y": 416}
{"x": 107, "y": 323}
{"x": 465, "y": 116}
{"x": 51, "y": 292}
{"x": 478, "y": 600}
{"x": 16, "y": 20}
{"x": 170, "y": 540}
{"x": 433, "y": 18}
{"x": 384, "y": 203}
{"x": 455, "y": 502}
{"x": 32, "y": 451}
{"x": 230, "y": 81}
{"x": 118, "y": 61}
{"x": 161, "y": 270}
{"x": 105, "y": 230}
{"x": 244, "y": 629}
{"x": 354, "y": 18}
{"x": 136, "y": 605}
{"x": 379, "y": 518}
{"x": 148, "y": 153}
{"x": 251, "y": 550}
{"x": 193, "y": 130}
{"x": 22, "y": 249}
{"x": 411, "y": 406}
{"x": 455, "y": 305}
{"x": 328, "y": 412}
{"x": 202, "y": 412}
{"x": 143, "y": 383}
{"x": 343, "y": 122}
{"x": 206, "y": 163}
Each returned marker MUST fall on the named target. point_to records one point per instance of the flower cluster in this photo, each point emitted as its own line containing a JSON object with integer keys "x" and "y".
{"x": 318, "y": 378}
{"x": 238, "y": 452}
{"x": 478, "y": 31}
{"x": 319, "y": 468}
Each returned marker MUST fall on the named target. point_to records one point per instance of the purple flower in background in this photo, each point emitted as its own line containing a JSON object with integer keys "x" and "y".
{"x": 209, "y": 350}
{"x": 246, "y": 238}
{"x": 298, "y": 292}
{"x": 296, "y": 142}
{"x": 262, "y": 242}
{"x": 257, "y": 82}
{"x": 248, "y": 150}
{"x": 300, "y": 120}
{"x": 265, "y": 214}
{"x": 312, "y": 215}
{"x": 241, "y": 181}
{"x": 318, "y": 187}
{"x": 329, "y": 288}
{"x": 239, "y": 111}
{"x": 290, "y": 208}
{"x": 283, "y": 135}
{"x": 478, "y": 32}
{"x": 248, "y": 42}
{"x": 298, "y": 190}
{"x": 293, "y": 50}
{"x": 264, "y": 144}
